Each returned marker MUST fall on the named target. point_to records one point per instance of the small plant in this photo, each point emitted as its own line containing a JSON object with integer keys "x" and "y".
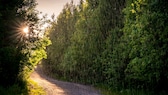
{"x": 34, "y": 89}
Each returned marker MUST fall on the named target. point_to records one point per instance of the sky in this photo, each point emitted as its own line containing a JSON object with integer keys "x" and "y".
{"x": 52, "y": 6}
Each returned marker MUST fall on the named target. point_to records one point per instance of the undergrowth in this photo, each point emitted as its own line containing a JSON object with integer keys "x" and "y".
{"x": 105, "y": 90}
{"x": 34, "y": 88}
{"x": 27, "y": 88}
{"x": 13, "y": 90}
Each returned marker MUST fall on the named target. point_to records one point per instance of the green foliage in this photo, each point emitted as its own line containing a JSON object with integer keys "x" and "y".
{"x": 28, "y": 87}
{"x": 19, "y": 52}
{"x": 13, "y": 90}
{"x": 106, "y": 90}
{"x": 143, "y": 33}
{"x": 9, "y": 65}
{"x": 60, "y": 36}
{"x": 34, "y": 54}
{"x": 10, "y": 56}
{"x": 34, "y": 89}
{"x": 119, "y": 43}
{"x": 81, "y": 59}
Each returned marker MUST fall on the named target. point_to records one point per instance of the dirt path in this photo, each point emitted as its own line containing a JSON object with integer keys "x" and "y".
{"x": 55, "y": 87}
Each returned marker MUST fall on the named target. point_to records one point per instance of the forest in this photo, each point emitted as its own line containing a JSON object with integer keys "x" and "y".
{"x": 118, "y": 43}
{"x": 114, "y": 45}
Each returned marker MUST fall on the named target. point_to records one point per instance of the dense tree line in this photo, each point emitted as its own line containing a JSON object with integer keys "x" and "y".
{"x": 121, "y": 43}
{"x": 19, "y": 51}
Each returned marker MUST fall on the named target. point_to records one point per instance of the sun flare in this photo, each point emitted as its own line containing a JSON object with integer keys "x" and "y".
{"x": 26, "y": 30}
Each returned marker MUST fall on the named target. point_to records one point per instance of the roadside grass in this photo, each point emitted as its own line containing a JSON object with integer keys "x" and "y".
{"x": 27, "y": 88}
{"x": 34, "y": 88}
{"x": 105, "y": 90}
{"x": 124, "y": 92}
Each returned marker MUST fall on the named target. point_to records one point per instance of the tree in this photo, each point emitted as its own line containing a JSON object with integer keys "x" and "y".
{"x": 10, "y": 56}
{"x": 145, "y": 34}
{"x": 16, "y": 46}
{"x": 60, "y": 35}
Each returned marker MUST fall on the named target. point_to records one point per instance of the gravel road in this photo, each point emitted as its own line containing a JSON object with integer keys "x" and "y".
{"x": 55, "y": 87}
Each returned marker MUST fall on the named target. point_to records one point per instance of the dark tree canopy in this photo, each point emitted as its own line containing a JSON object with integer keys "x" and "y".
{"x": 16, "y": 47}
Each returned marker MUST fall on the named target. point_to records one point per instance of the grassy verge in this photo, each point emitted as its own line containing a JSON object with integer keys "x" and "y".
{"x": 105, "y": 90}
{"x": 34, "y": 89}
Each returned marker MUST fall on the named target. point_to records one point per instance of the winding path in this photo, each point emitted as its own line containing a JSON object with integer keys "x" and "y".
{"x": 55, "y": 87}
